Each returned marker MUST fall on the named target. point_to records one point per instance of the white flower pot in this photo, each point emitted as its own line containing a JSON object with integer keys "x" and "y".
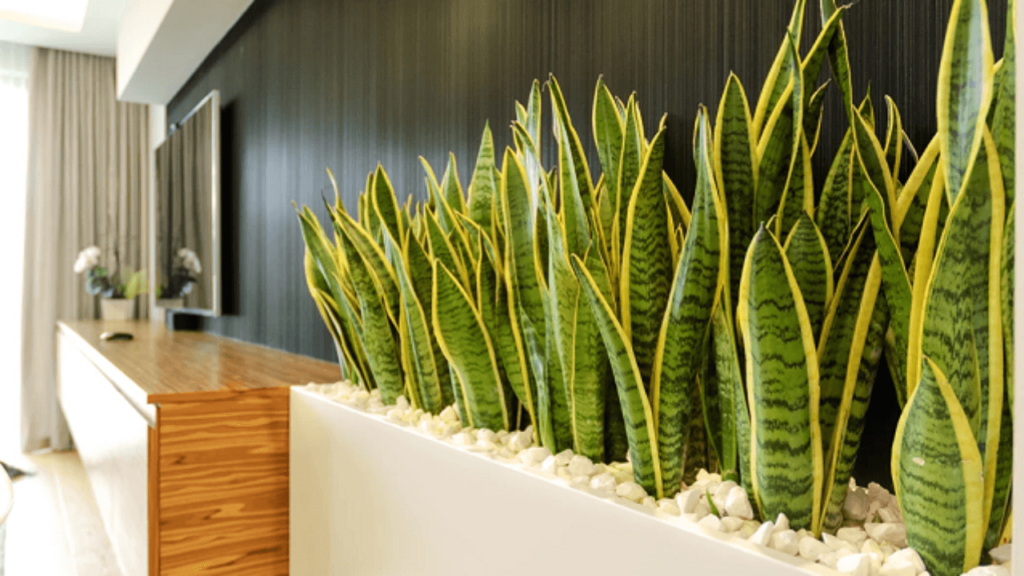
{"x": 117, "y": 308}
{"x": 371, "y": 497}
{"x": 171, "y": 303}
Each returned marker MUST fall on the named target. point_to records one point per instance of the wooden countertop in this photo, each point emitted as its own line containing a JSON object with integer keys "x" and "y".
{"x": 161, "y": 365}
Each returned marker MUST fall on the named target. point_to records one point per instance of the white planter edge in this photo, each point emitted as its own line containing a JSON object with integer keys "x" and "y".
{"x": 370, "y": 497}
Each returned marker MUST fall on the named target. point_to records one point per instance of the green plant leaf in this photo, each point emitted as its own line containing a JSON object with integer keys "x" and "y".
{"x": 1006, "y": 294}
{"x": 1004, "y": 115}
{"x": 483, "y": 187}
{"x": 812, "y": 267}
{"x": 608, "y": 135}
{"x": 781, "y": 72}
{"x": 937, "y": 470}
{"x": 467, "y": 346}
{"x": 964, "y": 92}
{"x": 629, "y": 166}
{"x": 782, "y": 380}
{"x": 893, "y": 138}
{"x": 636, "y": 410}
{"x": 579, "y": 155}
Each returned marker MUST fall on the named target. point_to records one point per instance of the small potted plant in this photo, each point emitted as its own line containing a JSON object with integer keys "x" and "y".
{"x": 118, "y": 288}
{"x": 184, "y": 271}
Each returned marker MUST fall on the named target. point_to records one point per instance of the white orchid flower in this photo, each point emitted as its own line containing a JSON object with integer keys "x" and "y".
{"x": 80, "y": 265}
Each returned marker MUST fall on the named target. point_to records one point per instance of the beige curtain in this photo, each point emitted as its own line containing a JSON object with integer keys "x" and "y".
{"x": 87, "y": 185}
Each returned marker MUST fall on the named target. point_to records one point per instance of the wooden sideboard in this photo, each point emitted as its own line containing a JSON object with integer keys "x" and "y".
{"x": 184, "y": 436}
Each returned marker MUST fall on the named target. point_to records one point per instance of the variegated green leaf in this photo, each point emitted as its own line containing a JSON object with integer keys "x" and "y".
{"x": 812, "y": 267}
{"x": 698, "y": 278}
{"x": 385, "y": 204}
{"x": 735, "y": 160}
{"x": 735, "y": 452}
{"x": 965, "y": 91}
{"x": 798, "y": 199}
{"x": 1006, "y": 291}
{"x": 465, "y": 343}
{"x": 812, "y": 116}
{"x": 937, "y": 470}
{"x": 779, "y": 146}
{"x": 483, "y": 188}
{"x": 781, "y": 72}
{"x": 782, "y": 380}
{"x": 647, "y": 260}
{"x": 629, "y": 164}
{"x": 816, "y": 56}
{"x": 1004, "y": 115}
{"x": 998, "y": 504}
{"x": 636, "y": 410}
{"x": 579, "y": 155}
{"x": 893, "y": 138}
{"x": 608, "y": 134}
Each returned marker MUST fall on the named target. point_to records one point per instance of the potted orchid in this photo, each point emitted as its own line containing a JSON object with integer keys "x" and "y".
{"x": 184, "y": 271}
{"x": 118, "y": 288}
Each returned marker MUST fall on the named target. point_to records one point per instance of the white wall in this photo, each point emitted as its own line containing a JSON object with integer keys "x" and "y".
{"x": 157, "y": 135}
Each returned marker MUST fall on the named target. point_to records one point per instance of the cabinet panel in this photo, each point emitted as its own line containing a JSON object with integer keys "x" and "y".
{"x": 112, "y": 438}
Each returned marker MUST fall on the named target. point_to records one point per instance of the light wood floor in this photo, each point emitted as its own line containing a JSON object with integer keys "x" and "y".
{"x": 54, "y": 528}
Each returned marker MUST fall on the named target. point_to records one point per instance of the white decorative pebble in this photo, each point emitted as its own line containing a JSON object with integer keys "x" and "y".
{"x": 853, "y": 535}
{"x": 603, "y": 482}
{"x": 396, "y": 415}
{"x": 897, "y": 570}
{"x": 738, "y": 505}
{"x": 487, "y": 445}
{"x": 889, "y": 515}
{"x": 1001, "y": 554}
{"x": 402, "y": 403}
{"x": 748, "y": 529}
{"x": 721, "y": 493}
{"x": 786, "y": 542}
{"x": 581, "y": 466}
{"x": 781, "y": 522}
{"x": 763, "y": 534}
{"x": 710, "y": 522}
{"x": 449, "y": 414}
{"x": 732, "y": 524}
{"x": 895, "y": 534}
{"x": 688, "y": 501}
{"x": 701, "y": 510}
{"x": 650, "y": 502}
{"x": 464, "y": 438}
{"x": 877, "y": 493}
{"x": 702, "y": 474}
{"x": 835, "y": 543}
{"x": 534, "y": 456}
{"x": 548, "y": 465}
{"x": 630, "y": 491}
{"x": 829, "y": 558}
{"x": 989, "y": 571}
{"x": 856, "y": 505}
{"x": 855, "y": 565}
{"x": 668, "y": 506}
{"x": 518, "y": 441}
{"x": 563, "y": 458}
{"x": 486, "y": 435}
{"x": 811, "y": 548}
{"x": 906, "y": 556}
{"x": 872, "y": 549}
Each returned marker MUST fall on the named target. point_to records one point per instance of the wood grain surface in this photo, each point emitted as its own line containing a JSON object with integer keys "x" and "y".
{"x": 223, "y": 485}
{"x": 178, "y": 366}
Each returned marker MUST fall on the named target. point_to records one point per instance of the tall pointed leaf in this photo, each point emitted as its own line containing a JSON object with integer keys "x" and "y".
{"x": 812, "y": 267}
{"x": 483, "y": 189}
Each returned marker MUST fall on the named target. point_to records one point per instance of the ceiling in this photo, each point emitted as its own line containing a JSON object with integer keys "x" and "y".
{"x": 98, "y": 34}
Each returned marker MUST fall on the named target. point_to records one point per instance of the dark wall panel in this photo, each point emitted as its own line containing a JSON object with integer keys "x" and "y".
{"x": 309, "y": 84}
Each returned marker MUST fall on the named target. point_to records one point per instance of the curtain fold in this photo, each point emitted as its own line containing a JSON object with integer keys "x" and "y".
{"x": 88, "y": 168}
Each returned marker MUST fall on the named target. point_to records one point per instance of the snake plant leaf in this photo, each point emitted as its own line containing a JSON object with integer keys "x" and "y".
{"x": 913, "y": 200}
{"x": 735, "y": 157}
{"x": 608, "y": 136}
{"x": 923, "y": 264}
{"x": 735, "y": 451}
{"x": 534, "y": 111}
{"x": 798, "y": 198}
{"x": 780, "y": 146}
{"x": 636, "y": 410}
{"x": 937, "y": 471}
{"x": 441, "y": 249}
{"x": 385, "y": 205}
{"x": 782, "y": 386}
{"x": 677, "y": 209}
{"x": 382, "y": 352}
{"x": 433, "y": 187}
{"x": 536, "y": 354}
{"x": 812, "y": 266}
{"x": 452, "y": 188}
{"x": 898, "y": 293}
{"x": 629, "y": 163}
{"x": 812, "y": 116}
{"x": 521, "y": 255}
{"x": 698, "y": 278}
{"x": 816, "y": 56}
{"x": 376, "y": 261}
{"x": 850, "y": 348}
{"x": 872, "y": 162}
{"x": 893, "y": 137}
{"x": 834, "y": 215}
{"x": 467, "y": 346}
{"x": 965, "y": 91}
{"x": 1006, "y": 292}
{"x": 579, "y": 156}
{"x": 591, "y": 377}
{"x": 574, "y": 212}
{"x": 1004, "y": 116}
{"x": 535, "y": 175}
{"x": 647, "y": 260}
{"x": 781, "y": 72}
{"x": 322, "y": 251}
{"x": 483, "y": 188}
{"x": 998, "y": 504}
{"x": 839, "y": 58}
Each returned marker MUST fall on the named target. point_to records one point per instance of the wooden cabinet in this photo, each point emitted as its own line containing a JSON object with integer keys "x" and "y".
{"x": 184, "y": 437}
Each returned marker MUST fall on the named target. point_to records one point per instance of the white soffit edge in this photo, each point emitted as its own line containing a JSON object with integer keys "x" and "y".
{"x": 62, "y": 25}
{"x": 162, "y": 42}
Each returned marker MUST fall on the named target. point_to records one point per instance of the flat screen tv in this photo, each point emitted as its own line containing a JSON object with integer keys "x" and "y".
{"x": 186, "y": 217}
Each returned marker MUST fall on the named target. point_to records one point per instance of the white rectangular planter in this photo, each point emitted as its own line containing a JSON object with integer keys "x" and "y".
{"x": 370, "y": 497}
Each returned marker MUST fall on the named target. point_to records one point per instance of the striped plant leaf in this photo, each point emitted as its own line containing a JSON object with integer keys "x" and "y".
{"x": 511, "y": 353}
{"x": 521, "y": 253}
{"x": 1006, "y": 292}
{"x": 775, "y": 155}
{"x": 913, "y": 200}
{"x": 574, "y": 212}
{"x": 893, "y": 138}
{"x": 965, "y": 92}
{"x": 636, "y": 410}
{"x": 781, "y": 72}
{"x": 937, "y": 470}
{"x": 579, "y": 155}
{"x": 782, "y": 382}
{"x": 812, "y": 266}
{"x": 1004, "y": 115}
{"x": 608, "y": 130}
{"x": 998, "y": 504}
{"x": 735, "y": 157}
{"x": 382, "y": 352}
{"x": 591, "y": 377}
{"x": 385, "y": 205}
{"x": 798, "y": 198}
{"x": 443, "y": 250}
{"x": 467, "y": 346}
{"x": 677, "y": 208}
{"x": 872, "y": 162}
{"x": 812, "y": 115}
{"x": 376, "y": 261}
{"x": 483, "y": 188}
{"x": 629, "y": 164}
{"x": 735, "y": 451}
{"x": 647, "y": 260}
{"x": 816, "y": 56}
{"x": 451, "y": 188}
{"x": 698, "y": 278}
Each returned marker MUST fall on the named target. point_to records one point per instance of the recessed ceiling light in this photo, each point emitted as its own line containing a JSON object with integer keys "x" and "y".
{"x": 66, "y": 15}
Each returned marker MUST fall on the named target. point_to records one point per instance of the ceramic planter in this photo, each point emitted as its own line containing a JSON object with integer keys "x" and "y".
{"x": 372, "y": 497}
{"x": 117, "y": 308}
